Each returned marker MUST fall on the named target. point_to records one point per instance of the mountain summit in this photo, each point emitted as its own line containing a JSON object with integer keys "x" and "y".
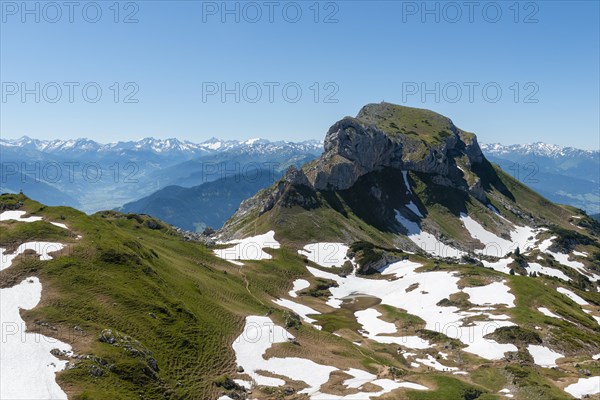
{"x": 387, "y": 135}
{"x": 399, "y": 170}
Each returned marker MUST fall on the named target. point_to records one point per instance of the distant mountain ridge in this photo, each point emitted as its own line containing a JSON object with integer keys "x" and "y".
{"x": 562, "y": 174}
{"x": 157, "y": 146}
{"x": 207, "y": 205}
{"x": 353, "y": 266}
{"x": 538, "y": 149}
{"x": 214, "y": 145}
{"x": 91, "y": 176}
{"x": 218, "y": 145}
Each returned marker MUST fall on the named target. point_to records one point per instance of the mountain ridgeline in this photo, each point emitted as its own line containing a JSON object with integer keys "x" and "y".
{"x": 208, "y": 205}
{"x": 392, "y": 160}
{"x": 91, "y": 176}
{"x": 563, "y": 175}
{"x": 400, "y": 264}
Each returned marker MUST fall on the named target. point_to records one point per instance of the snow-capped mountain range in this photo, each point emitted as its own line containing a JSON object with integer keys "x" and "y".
{"x": 57, "y": 172}
{"x": 159, "y": 146}
{"x": 162, "y": 146}
{"x": 562, "y": 174}
{"x": 538, "y": 149}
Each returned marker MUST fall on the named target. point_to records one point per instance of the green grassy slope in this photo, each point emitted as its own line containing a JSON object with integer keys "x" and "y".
{"x": 171, "y": 297}
{"x": 182, "y": 307}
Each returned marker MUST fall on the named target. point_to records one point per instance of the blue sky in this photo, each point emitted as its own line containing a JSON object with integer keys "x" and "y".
{"x": 177, "y": 57}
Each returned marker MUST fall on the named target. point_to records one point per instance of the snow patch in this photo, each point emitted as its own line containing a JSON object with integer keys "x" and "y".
{"x": 400, "y": 268}
{"x": 28, "y": 367}
{"x": 543, "y": 356}
{"x": 250, "y": 248}
{"x": 572, "y": 296}
{"x": 426, "y": 241}
{"x": 17, "y": 216}
{"x": 260, "y": 333}
{"x": 413, "y": 207}
{"x": 374, "y": 327}
{"x": 540, "y": 269}
{"x": 433, "y": 363}
{"x": 494, "y": 293}
{"x": 299, "y": 309}
{"x": 299, "y": 284}
{"x": 326, "y": 254}
{"x": 495, "y": 245}
{"x": 549, "y": 313}
{"x": 406, "y": 182}
{"x": 41, "y": 248}
{"x": 584, "y": 386}
{"x": 500, "y": 265}
{"x": 563, "y": 259}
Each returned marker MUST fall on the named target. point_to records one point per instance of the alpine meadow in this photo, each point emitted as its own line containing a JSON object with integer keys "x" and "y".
{"x": 281, "y": 232}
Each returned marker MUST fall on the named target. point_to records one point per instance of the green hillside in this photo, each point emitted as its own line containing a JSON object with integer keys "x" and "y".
{"x": 153, "y": 315}
{"x": 183, "y": 307}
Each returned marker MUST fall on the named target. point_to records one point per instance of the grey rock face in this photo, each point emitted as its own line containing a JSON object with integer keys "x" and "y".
{"x": 381, "y": 136}
{"x": 293, "y": 178}
{"x": 353, "y": 149}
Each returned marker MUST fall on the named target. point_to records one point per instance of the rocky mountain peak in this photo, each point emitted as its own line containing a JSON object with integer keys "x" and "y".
{"x": 388, "y": 135}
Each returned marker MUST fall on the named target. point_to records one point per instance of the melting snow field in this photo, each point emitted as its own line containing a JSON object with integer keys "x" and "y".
{"x": 413, "y": 207}
{"x": 489, "y": 239}
{"x": 426, "y": 241}
{"x": 496, "y": 246}
{"x": 18, "y": 216}
{"x": 432, "y": 287}
{"x": 539, "y": 269}
{"x": 430, "y": 361}
{"x": 584, "y": 386}
{"x": 400, "y": 268}
{"x": 374, "y": 327}
{"x": 250, "y": 248}
{"x": 577, "y": 299}
{"x": 572, "y": 296}
{"x": 543, "y": 356}
{"x": 260, "y": 333}
{"x": 299, "y": 284}
{"x": 28, "y": 368}
{"x": 41, "y": 248}
{"x": 480, "y": 294}
{"x": 299, "y": 309}
{"x": 326, "y": 254}
{"x": 563, "y": 259}
{"x": 500, "y": 265}
{"x": 549, "y": 313}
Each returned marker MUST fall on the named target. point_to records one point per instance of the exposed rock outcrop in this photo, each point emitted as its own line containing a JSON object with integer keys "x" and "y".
{"x": 382, "y": 137}
{"x": 379, "y": 137}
